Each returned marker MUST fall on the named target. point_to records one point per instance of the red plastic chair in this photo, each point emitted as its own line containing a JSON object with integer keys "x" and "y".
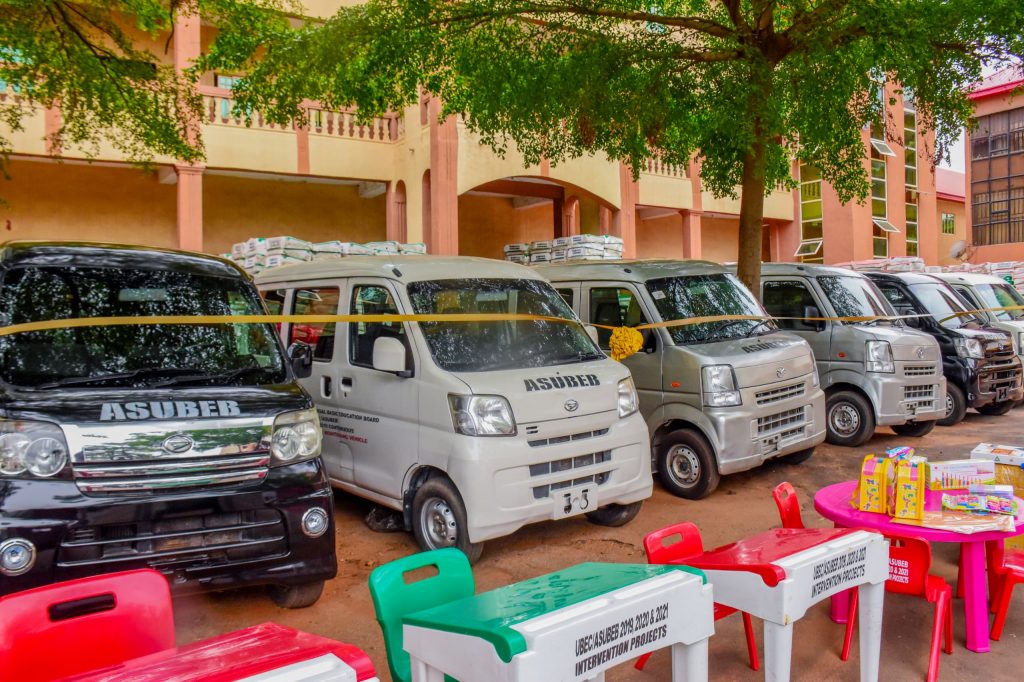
{"x": 76, "y": 626}
{"x": 689, "y": 544}
{"x": 1007, "y": 567}
{"x": 910, "y": 560}
{"x": 789, "y": 513}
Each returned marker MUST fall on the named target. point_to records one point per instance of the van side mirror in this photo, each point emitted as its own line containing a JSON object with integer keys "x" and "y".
{"x": 592, "y": 333}
{"x": 650, "y": 340}
{"x": 300, "y": 357}
{"x": 811, "y": 311}
{"x": 389, "y": 356}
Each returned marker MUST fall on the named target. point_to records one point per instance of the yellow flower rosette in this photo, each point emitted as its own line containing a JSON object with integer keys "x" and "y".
{"x": 625, "y": 341}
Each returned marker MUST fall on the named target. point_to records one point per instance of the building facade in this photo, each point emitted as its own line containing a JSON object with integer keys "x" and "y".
{"x": 412, "y": 177}
{"x": 995, "y": 169}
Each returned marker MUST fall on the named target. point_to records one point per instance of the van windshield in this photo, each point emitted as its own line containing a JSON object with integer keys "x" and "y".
{"x": 1001, "y": 296}
{"x": 854, "y": 297}
{"x": 512, "y": 344}
{"x": 133, "y": 355}
{"x": 678, "y": 298}
{"x": 943, "y": 304}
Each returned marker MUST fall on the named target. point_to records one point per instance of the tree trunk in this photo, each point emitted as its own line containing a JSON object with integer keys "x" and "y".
{"x": 748, "y": 266}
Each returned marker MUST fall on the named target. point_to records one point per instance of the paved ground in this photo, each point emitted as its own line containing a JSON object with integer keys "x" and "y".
{"x": 741, "y": 506}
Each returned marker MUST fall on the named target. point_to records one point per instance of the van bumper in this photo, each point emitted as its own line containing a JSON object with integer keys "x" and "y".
{"x": 899, "y": 400}
{"x": 992, "y": 383}
{"x": 747, "y": 438}
{"x": 213, "y": 539}
{"x": 506, "y": 483}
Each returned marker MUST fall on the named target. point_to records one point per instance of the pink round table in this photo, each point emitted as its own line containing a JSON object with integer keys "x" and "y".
{"x": 833, "y": 502}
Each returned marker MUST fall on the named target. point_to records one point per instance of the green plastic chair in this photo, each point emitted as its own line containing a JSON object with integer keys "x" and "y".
{"x": 393, "y": 597}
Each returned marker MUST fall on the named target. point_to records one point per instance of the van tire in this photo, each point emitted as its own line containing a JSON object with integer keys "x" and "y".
{"x": 996, "y": 409}
{"x": 679, "y": 454}
{"x": 614, "y": 515}
{"x": 798, "y": 457}
{"x": 439, "y": 518}
{"x": 956, "y": 406}
{"x": 913, "y": 429}
{"x": 849, "y": 419}
{"x": 296, "y": 596}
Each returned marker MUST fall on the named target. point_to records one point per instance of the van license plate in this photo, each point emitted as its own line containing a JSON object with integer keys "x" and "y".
{"x": 573, "y": 501}
{"x": 1002, "y": 394}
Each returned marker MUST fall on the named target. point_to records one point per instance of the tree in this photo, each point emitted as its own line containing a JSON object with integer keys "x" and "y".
{"x": 86, "y": 58}
{"x": 745, "y": 85}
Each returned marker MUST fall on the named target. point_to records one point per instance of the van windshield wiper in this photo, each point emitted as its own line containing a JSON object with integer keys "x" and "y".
{"x": 226, "y": 377}
{"x": 103, "y": 379}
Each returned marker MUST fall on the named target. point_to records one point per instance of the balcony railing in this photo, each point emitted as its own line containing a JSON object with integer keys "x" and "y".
{"x": 218, "y": 109}
{"x": 663, "y": 169}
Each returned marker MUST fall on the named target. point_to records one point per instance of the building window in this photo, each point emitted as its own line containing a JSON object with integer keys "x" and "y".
{"x": 948, "y": 223}
{"x": 911, "y": 222}
{"x": 811, "y": 217}
{"x": 997, "y": 178}
{"x": 879, "y": 209}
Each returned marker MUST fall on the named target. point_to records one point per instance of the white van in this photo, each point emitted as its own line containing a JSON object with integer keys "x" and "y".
{"x": 472, "y": 429}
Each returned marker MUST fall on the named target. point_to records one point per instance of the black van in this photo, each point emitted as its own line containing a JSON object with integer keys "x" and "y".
{"x": 187, "y": 448}
{"x": 982, "y": 371}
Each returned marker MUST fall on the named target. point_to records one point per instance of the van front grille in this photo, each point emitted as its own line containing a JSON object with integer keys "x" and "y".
{"x": 777, "y": 395}
{"x": 926, "y": 392}
{"x": 172, "y": 475}
{"x": 573, "y": 465}
{"x": 555, "y": 440}
{"x": 780, "y": 421}
{"x": 224, "y": 537}
{"x": 919, "y": 370}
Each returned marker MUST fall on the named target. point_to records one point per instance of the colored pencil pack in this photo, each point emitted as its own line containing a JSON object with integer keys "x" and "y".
{"x": 960, "y": 473}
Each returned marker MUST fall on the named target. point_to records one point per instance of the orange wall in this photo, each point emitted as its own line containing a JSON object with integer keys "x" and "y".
{"x": 719, "y": 239}
{"x": 946, "y": 241}
{"x": 660, "y": 237}
{"x": 235, "y": 209}
{"x": 46, "y": 200}
{"x": 486, "y": 224}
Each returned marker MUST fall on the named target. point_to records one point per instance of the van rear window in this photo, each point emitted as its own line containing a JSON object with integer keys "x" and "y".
{"x": 136, "y": 355}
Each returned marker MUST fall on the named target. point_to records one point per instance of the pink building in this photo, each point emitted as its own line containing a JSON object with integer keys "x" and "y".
{"x": 995, "y": 170}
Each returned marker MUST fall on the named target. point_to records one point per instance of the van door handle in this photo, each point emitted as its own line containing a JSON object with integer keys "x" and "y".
{"x": 346, "y": 382}
{"x": 325, "y": 387}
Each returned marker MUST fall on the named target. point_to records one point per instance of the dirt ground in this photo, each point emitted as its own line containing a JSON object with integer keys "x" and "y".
{"x": 740, "y": 507}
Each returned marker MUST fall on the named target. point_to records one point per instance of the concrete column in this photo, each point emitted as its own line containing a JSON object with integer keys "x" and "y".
{"x": 604, "y": 219}
{"x": 444, "y": 183}
{"x": 571, "y": 216}
{"x": 395, "y": 212}
{"x": 190, "y": 207}
{"x": 190, "y": 176}
{"x": 691, "y": 234}
{"x": 557, "y": 218}
{"x": 624, "y": 221}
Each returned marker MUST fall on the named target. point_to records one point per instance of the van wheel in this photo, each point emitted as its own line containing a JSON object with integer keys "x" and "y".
{"x": 296, "y": 596}
{"x": 686, "y": 465}
{"x": 849, "y": 419}
{"x": 439, "y": 519}
{"x": 995, "y": 409}
{"x": 615, "y": 515}
{"x": 798, "y": 457}
{"x": 913, "y": 429}
{"x": 956, "y": 406}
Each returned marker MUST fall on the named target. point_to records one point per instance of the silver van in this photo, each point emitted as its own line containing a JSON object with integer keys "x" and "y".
{"x": 719, "y": 397}
{"x": 471, "y": 429}
{"x": 875, "y": 373}
{"x": 984, "y": 292}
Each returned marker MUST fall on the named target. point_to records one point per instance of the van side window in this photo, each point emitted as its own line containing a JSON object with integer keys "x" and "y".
{"x": 566, "y": 295}
{"x": 369, "y": 299}
{"x": 274, "y": 300}
{"x": 968, "y": 296}
{"x": 315, "y": 301}
{"x": 613, "y": 307}
{"x": 899, "y": 300}
{"x": 790, "y": 298}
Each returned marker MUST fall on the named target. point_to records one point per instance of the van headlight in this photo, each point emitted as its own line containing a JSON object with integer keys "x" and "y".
{"x": 627, "y": 400}
{"x": 296, "y": 437}
{"x": 33, "y": 449}
{"x": 878, "y": 357}
{"x": 968, "y": 348}
{"x": 482, "y": 415}
{"x": 719, "y": 385}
